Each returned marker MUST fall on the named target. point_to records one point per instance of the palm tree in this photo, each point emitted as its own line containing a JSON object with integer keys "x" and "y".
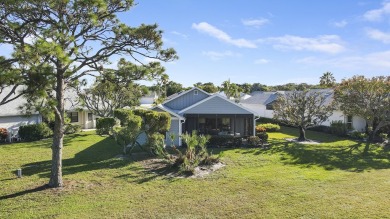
{"x": 327, "y": 79}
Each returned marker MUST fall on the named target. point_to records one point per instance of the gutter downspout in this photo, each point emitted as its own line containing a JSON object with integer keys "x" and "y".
{"x": 181, "y": 130}
{"x": 254, "y": 125}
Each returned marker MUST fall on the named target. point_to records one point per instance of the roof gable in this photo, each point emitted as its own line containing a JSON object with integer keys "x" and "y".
{"x": 165, "y": 109}
{"x": 186, "y": 99}
{"x": 216, "y": 104}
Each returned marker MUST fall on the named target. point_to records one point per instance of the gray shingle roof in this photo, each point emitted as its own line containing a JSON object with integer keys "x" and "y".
{"x": 12, "y": 108}
{"x": 260, "y": 97}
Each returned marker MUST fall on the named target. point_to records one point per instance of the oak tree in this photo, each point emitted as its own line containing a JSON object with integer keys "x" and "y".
{"x": 303, "y": 109}
{"x": 368, "y": 98}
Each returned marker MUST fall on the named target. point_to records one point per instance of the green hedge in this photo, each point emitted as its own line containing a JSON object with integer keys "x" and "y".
{"x": 104, "y": 125}
{"x": 267, "y": 120}
{"x": 338, "y": 128}
{"x": 269, "y": 127}
{"x": 321, "y": 128}
{"x": 35, "y": 132}
{"x": 224, "y": 141}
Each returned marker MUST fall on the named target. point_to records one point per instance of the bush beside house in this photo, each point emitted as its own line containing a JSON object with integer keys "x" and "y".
{"x": 3, "y": 134}
{"x": 35, "y": 132}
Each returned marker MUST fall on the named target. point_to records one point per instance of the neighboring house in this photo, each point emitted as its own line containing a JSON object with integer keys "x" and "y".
{"x": 147, "y": 101}
{"x": 210, "y": 114}
{"x": 78, "y": 114}
{"x": 11, "y": 116}
{"x": 262, "y": 103}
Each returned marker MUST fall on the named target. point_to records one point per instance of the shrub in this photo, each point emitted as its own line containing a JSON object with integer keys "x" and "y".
{"x": 254, "y": 141}
{"x": 267, "y": 120}
{"x": 35, "y": 132}
{"x": 72, "y": 128}
{"x": 269, "y": 127}
{"x": 3, "y": 133}
{"x": 260, "y": 128}
{"x": 104, "y": 126}
{"x": 157, "y": 145}
{"x": 123, "y": 115}
{"x": 338, "y": 128}
{"x": 321, "y": 128}
{"x": 263, "y": 136}
{"x": 221, "y": 141}
{"x": 358, "y": 135}
{"x": 195, "y": 154}
{"x": 383, "y": 136}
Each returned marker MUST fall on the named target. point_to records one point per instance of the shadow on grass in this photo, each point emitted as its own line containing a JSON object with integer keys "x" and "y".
{"x": 98, "y": 156}
{"x": 25, "y": 192}
{"x": 343, "y": 157}
{"x": 150, "y": 169}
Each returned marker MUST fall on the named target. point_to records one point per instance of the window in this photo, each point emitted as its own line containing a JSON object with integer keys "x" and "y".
{"x": 89, "y": 116}
{"x": 349, "y": 123}
{"x": 195, "y": 92}
{"x": 74, "y": 116}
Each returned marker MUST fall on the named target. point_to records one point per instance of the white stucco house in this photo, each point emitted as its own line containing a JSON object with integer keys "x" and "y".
{"x": 261, "y": 103}
{"x": 11, "y": 117}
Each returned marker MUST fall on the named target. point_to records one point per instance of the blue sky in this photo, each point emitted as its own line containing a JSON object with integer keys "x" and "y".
{"x": 270, "y": 42}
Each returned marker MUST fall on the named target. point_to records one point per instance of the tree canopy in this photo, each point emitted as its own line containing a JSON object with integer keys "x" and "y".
{"x": 115, "y": 89}
{"x": 303, "y": 109}
{"x": 368, "y": 98}
{"x": 63, "y": 41}
{"x": 327, "y": 80}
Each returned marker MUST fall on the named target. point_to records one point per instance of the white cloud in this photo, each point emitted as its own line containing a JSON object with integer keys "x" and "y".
{"x": 222, "y": 36}
{"x": 378, "y": 35}
{"x": 255, "y": 22}
{"x": 378, "y": 14}
{"x": 261, "y": 61}
{"x": 219, "y": 55}
{"x": 371, "y": 62}
{"x": 179, "y": 34}
{"x": 325, "y": 43}
{"x": 340, "y": 24}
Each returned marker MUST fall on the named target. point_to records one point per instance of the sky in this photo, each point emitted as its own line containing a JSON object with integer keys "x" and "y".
{"x": 270, "y": 42}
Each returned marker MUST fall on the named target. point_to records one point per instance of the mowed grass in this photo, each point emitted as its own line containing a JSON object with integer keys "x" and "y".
{"x": 288, "y": 180}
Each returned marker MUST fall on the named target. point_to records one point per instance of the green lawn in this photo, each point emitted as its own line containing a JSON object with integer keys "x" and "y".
{"x": 287, "y": 180}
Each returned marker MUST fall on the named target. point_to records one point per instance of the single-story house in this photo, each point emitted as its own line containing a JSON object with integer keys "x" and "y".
{"x": 209, "y": 114}
{"x": 261, "y": 102}
{"x": 11, "y": 117}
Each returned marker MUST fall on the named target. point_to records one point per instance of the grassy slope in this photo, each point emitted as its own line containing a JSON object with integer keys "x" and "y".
{"x": 287, "y": 180}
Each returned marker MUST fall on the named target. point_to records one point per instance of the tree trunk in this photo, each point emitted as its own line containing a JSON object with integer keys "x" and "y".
{"x": 58, "y": 136}
{"x": 371, "y": 137}
{"x": 302, "y": 134}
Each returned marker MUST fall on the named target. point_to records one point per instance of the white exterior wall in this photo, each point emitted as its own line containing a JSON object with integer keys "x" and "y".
{"x": 175, "y": 129}
{"x": 84, "y": 122}
{"x": 12, "y": 123}
{"x": 358, "y": 124}
{"x": 9, "y": 122}
{"x": 336, "y": 116}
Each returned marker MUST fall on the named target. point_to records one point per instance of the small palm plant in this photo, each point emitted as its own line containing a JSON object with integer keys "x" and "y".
{"x": 195, "y": 154}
